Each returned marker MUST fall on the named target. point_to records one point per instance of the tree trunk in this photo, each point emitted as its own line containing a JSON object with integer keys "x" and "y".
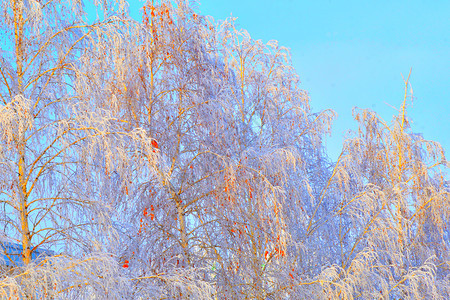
{"x": 23, "y": 194}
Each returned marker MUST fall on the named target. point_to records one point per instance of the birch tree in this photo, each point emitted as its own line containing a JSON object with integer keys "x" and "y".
{"x": 58, "y": 150}
{"x": 389, "y": 226}
{"x": 235, "y": 137}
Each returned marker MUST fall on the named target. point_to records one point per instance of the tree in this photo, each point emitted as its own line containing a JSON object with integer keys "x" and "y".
{"x": 55, "y": 150}
{"x": 179, "y": 158}
{"x": 392, "y": 215}
{"x": 235, "y": 138}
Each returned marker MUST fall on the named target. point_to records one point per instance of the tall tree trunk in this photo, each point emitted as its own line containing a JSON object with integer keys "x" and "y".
{"x": 23, "y": 194}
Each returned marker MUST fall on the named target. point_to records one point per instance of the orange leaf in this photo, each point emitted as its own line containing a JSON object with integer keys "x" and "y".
{"x": 152, "y": 216}
{"x": 155, "y": 144}
{"x": 125, "y": 264}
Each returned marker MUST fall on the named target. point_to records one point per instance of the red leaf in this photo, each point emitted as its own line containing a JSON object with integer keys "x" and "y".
{"x": 290, "y": 274}
{"x": 155, "y": 144}
{"x": 125, "y": 264}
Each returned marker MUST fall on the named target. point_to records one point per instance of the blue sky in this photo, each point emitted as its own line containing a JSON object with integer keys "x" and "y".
{"x": 353, "y": 53}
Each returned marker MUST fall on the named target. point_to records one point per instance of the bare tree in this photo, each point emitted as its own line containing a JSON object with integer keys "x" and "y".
{"x": 58, "y": 150}
{"x": 389, "y": 234}
{"x": 234, "y": 135}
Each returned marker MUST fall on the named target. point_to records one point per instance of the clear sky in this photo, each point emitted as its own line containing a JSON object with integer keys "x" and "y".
{"x": 353, "y": 53}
